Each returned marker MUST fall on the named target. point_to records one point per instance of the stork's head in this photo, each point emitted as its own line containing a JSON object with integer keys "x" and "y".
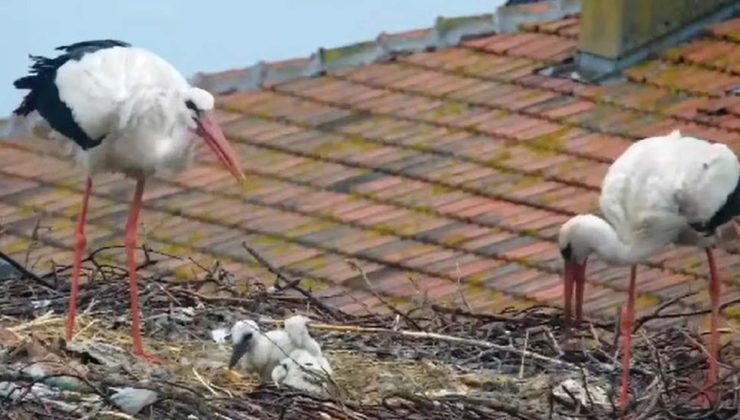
{"x": 295, "y": 326}
{"x": 280, "y": 372}
{"x": 197, "y": 107}
{"x": 299, "y": 362}
{"x": 576, "y": 244}
{"x": 243, "y": 335}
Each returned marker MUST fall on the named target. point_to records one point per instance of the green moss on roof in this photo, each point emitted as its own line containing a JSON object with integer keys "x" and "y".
{"x": 251, "y": 184}
{"x": 504, "y": 155}
{"x": 344, "y": 145}
{"x": 335, "y": 54}
{"x": 552, "y": 142}
{"x": 437, "y": 189}
{"x": 312, "y": 226}
{"x": 448, "y": 109}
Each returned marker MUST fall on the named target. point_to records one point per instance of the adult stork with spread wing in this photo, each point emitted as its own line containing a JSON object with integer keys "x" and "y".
{"x": 126, "y": 110}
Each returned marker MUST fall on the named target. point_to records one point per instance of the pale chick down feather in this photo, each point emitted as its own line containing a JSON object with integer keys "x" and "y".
{"x": 136, "y": 101}
{"x": 650, "y": 195}
{"x": 266, "y": 350}
{"x": 295, "y": 326}
{"x": 303, "y": 371}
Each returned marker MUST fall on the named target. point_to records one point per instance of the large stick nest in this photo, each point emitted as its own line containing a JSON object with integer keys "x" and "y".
{"x": 431, "y": 362}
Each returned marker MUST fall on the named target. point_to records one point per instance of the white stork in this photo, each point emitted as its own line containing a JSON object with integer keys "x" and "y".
{"x": 126, "y": 110}
{"x": 666, "y": 190}
{"x": 295, "y": 327}
{"x": 303, "y": 371}
{"x": 259, "y": 352}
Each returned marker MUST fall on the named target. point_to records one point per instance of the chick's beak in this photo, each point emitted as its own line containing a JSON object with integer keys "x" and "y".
{"x": 239, "y": 350}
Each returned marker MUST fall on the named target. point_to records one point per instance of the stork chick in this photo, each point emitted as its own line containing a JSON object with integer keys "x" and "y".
{"x": 295, "y": 327}
{"x": 259, "y": 352}
{"x": 303, "y": 371}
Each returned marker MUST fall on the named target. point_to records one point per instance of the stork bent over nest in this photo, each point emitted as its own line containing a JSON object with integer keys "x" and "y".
{"x": 126, "y": 110}
{"x": 665, "y": 190}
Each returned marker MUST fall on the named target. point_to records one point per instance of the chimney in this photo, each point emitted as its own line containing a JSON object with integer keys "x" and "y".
{"x": 616, "y": 34}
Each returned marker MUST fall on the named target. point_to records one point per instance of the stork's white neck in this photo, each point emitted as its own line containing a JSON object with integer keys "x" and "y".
{"x": 589, "y": 234}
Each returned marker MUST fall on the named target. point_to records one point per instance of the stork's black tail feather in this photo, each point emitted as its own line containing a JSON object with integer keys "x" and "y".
{"x": 43, "y": 70}
{"x": 40, "y": 68}
{"x": 27, "y": 106}
{"x": 24, "y": 82}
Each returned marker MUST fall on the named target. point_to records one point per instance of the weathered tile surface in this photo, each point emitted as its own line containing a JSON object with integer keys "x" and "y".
{"x": 454, "y": 164}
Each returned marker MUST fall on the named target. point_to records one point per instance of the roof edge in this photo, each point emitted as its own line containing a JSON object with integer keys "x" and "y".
{"x": 446, "y": 33}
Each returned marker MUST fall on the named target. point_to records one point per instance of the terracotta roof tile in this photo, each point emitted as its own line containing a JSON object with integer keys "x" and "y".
{"x": 729, "y": 29}
{"x": 464, "y": 158}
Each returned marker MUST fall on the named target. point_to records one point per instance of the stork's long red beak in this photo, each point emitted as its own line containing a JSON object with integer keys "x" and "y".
{"x": 575, "y": 274}
{"x": 210, "y": 131}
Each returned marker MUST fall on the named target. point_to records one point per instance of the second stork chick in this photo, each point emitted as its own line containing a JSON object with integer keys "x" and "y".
{"x": 296, "y": 328}
{"x": 303, "y": 371}
{"x": 258, "y": 352}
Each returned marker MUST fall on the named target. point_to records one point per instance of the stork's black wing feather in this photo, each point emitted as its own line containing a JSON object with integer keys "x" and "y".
{"x": 97, "y": 44}
{"x": 44, "y": 93}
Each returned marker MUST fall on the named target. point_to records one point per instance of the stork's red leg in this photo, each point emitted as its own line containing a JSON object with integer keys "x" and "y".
{"x": 80, "y": 243}
{"x": 132, "y": 233}
{"x": 628, "y": 317}
{"x": 714, "y": 292}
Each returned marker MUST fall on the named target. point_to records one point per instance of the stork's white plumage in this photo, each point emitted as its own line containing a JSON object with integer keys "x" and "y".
{"x": 666, "y": 190}
{"x": 258, "y": 352}
{"x": 296, "y": 328}
{"x": 126, "y": 110}
{"x": 304, "y": 371}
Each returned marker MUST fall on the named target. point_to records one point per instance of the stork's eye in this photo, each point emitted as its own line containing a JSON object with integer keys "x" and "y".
{"x": 191, "y": 105}
{"x": 567, "y": 252}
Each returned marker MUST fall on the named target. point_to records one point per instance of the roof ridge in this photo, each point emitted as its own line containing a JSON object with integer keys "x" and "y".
{"x": 446, "y": 33}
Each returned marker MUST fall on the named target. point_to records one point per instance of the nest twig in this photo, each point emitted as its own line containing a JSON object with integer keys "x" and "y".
{"x": 478, "y": 349}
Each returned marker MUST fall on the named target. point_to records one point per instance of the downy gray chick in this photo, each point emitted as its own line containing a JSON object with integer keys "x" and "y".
{"x": 259, "y": 352}
{"x": 303, "y": 371}
{"x": 295, "y": 327}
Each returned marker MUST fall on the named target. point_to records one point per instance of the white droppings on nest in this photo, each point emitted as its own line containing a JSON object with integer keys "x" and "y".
{"x": 40, "y": 304}
{"x": 220, "y": 335}
{"x": 585, "y": 395}
{"x": 133, "y": 400}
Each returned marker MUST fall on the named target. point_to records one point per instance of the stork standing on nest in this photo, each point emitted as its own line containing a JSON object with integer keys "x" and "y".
{"x": 126, "y": 110}
{"x": 661, "y": 191}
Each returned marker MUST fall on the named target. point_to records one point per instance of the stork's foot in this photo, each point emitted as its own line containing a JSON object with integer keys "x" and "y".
{"x": 624, "y": 396}
{"x": 707, "y": 398}
{"x": 141, "y": 354}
